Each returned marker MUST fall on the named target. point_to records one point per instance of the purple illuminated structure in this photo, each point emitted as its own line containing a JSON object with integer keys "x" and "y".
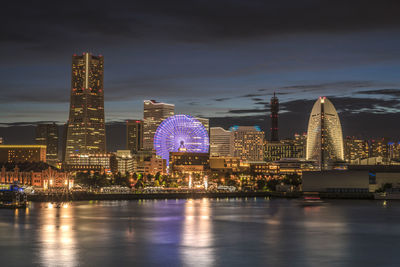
{"x": 180, "y": 133}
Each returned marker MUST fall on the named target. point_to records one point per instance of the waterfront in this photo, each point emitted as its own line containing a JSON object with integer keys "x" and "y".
{"x": 202, "y": 232}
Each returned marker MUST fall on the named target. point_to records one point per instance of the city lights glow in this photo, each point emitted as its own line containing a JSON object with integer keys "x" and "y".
{"x": 180, "y": 133}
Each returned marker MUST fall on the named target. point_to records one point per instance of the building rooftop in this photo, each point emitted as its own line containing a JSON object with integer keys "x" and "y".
{"x": 22, "y": 146}
{"x": 26, "y": 166}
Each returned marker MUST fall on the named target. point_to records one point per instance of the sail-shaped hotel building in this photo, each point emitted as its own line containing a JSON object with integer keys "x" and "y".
{"x": 324, "y": 135}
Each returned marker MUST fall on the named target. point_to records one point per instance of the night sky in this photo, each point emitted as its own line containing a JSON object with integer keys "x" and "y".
{"x": 221, "y": 59}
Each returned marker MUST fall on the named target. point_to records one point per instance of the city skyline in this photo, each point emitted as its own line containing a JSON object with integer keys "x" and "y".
{"x": 214, "y": 67}
{"x": 86, "y": 125}
{"x": 199, "y": 133}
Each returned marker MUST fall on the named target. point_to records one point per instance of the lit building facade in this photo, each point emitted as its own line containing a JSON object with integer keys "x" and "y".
{"x": 379, "y": 148}
{"x": 139, "y": 160}
{"x": 274, "y": 106}
{"x": 221, "y": 142}
{"x": 225, "y": 164}
{"x": 284, "y": 149}
{"x": 22, "y": 153}
{"x": 45, "y": 178}
{"x": 100, "y": 162}
{"x": 86, "y": 125}
{"x": 301, "y": 140}
{"x": 355, "y": 149}
{"x": 205, "y": 122}
{"x": 394, "y": 151}
{"x": 155, "y": 165}
{"x": 134, "y": 135}
{"x": 124, "y": 161}
{"x": 186, "y": 163}
{"x": 47, "y": 135}
{"x": 324, "y": 135}
{"x": 248, "y": 143}
{"x": 153, "y": 114}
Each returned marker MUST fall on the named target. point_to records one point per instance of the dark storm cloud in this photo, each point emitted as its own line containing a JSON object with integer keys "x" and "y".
{"x": 254, "y": 97}
{"x": 247, "y": 111}
{"x": 389, "y": 92}
{"x": 356, "y": 115}
{"x": 353, "y": 124}
{"x": 331, "y": 85}
{"x": 39, "y": 22}
{"x": 251, "y": 95}
{"x": 346, "y": 105}
{"x": 222, "y": 99}
{"x": 342, "y": 104}
{"x": 365, "y": 105}
{"x": 30, "y": 123}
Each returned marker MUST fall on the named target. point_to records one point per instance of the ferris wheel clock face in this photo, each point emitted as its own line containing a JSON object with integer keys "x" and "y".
{"x": 180, "y": 133}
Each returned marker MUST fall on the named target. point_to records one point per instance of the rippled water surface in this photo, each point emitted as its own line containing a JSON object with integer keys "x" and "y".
{"x": 204, "y": 232}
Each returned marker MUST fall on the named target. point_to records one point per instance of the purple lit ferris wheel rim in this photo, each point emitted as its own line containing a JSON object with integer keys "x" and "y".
{"x": 180, "y": 133}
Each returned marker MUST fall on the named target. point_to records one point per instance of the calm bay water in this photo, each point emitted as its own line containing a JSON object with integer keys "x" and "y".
{"x": 204, "y": 232}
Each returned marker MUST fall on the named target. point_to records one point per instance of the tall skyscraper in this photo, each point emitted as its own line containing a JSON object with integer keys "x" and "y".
{"x": 248, "y": 143}
{"x": 64, "y": 141}
{"x": 274, "y": 118}
{"x": 153, "y": 114}
{"x": 324, "y": 135}
{"x": 134, "y": 135}
{"x": 86, "y": 125}
{"x": 47, "y": 135}
{"x": 221, "y": 142}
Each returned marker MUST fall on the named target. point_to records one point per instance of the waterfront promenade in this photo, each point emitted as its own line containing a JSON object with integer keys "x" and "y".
{"x": 81, "y": 196}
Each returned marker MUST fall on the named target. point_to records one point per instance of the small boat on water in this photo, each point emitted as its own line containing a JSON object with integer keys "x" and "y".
{"x": 311, "y": 199}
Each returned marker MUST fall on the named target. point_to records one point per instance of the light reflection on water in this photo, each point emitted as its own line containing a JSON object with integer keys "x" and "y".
{"x": 197, "y": 234}
{"x": 201, "y": 232}
{"x": 57, "y": 236}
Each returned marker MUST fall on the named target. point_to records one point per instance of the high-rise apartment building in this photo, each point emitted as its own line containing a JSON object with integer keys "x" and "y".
{"x": 301, "y": 140}
{"x": 47, "y": 135}
{"x": 221, "y": 142}
{"x": 153, "y": 114}
{"x": 379, "y": 148}
{"x": 355, "y": 148}
{"x": 134, "y": 135}
{"x": 324, "y": 135}
{"x": 274, "y": 118}
{"x": 248, "y": 143}
{"x": 86, "y": 125}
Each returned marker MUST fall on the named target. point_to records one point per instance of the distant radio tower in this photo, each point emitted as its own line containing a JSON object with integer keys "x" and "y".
{"x": 274, "y": 118}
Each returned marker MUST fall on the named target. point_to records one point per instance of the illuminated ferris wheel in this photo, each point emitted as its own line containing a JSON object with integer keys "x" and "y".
{"x": 180, "y": 133}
